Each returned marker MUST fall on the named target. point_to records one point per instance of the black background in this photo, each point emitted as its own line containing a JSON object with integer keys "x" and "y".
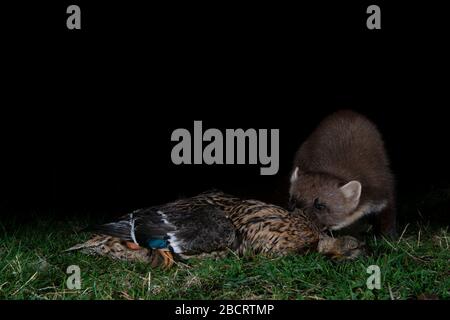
{"x": 87, "y": 114}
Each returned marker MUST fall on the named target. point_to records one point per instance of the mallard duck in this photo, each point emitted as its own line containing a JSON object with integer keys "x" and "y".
{"x": 212, "y": 223}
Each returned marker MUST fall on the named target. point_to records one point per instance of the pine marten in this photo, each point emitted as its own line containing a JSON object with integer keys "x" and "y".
{"x": 341, "y": 174}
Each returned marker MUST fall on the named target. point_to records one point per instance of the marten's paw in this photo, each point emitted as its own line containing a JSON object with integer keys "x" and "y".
{"x": 342, "y": 248}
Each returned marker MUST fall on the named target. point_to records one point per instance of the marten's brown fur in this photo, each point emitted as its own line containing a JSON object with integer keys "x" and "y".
{"x": 341, "y": 173}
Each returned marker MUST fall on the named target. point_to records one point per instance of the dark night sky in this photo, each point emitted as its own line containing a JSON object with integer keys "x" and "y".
{"x": 87, "y": 116}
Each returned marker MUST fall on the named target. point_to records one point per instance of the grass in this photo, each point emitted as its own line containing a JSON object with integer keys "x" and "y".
{"x": 33, "y": 266}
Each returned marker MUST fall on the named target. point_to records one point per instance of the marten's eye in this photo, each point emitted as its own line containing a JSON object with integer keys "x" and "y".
{"x": 319, "y": 206}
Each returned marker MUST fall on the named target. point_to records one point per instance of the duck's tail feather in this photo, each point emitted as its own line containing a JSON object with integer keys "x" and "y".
{"x": 93, "y": 242}
{"x": 120, "y": 229}
{"x": 136, "y": 227}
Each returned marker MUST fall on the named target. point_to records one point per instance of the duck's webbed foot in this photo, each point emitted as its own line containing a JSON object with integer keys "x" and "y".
{"x": 162, "y": 257}
{"x": 341, "y": 248}
{"x": 132, "y": 245}
{"x": 168, "y": 258}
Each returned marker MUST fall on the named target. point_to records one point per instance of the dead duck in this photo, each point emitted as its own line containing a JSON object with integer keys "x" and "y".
{"x": 212, "y": 223}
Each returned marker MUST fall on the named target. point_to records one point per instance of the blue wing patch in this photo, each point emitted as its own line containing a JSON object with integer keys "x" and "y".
{"x": 157, "y": 243}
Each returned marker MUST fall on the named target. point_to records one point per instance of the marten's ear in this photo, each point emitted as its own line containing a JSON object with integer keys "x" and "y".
{"x": 352, "y": 191}
{"x": 295, "y": 175}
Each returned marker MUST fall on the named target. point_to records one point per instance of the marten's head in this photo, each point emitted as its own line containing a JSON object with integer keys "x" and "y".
{"x": 329, "y": 199}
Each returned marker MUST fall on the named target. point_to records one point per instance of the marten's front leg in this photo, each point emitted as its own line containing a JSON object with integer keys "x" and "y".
{"x": 385, "y": 222}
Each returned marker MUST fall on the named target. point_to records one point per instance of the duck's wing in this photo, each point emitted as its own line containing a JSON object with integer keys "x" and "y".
{"x": 185, "y": 232}
{"x": 203, "y": 230}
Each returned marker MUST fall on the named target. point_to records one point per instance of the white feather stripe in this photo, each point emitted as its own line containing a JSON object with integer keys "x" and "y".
{"x": 163, "y": 217}
{"x": 132, "y": 231}
{"x": 175, "y": 243}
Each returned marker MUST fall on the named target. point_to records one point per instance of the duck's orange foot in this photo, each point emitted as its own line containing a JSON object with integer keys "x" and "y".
{"x": 167, "y": 258}
{"x": 132, "y": 245}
